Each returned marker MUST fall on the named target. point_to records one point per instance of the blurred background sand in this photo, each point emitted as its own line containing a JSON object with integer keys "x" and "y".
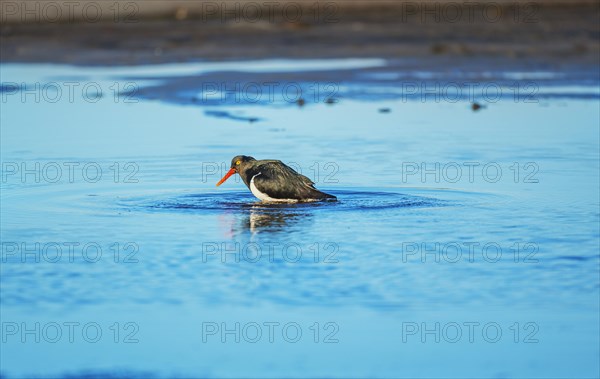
{"x": 144, "y": 32}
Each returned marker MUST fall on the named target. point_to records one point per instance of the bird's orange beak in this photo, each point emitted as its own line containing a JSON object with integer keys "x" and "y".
{"x": 229, "y": 173}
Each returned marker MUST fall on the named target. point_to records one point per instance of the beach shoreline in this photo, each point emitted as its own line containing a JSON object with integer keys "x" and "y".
{"x": 527, "y": 35}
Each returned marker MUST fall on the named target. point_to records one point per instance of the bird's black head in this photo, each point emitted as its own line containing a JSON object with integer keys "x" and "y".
{"x": 238, "y": 161}
{"x": 238, "y": 166}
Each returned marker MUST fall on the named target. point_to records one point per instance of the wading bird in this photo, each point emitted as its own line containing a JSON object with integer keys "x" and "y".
{"x": 273, "y": 181}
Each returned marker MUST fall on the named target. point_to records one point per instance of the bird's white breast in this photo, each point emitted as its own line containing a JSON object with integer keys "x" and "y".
{"x": 263, "y": 196}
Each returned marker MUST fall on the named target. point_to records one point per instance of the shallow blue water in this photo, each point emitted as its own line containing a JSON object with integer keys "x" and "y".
{"x": 463, "y": 244}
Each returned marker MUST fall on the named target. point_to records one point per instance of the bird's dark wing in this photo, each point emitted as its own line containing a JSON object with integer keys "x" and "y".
{"x": 280, "y": 181}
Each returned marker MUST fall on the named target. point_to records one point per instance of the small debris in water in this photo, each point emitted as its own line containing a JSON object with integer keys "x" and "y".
{"x": 223, "y": 114}
{"x": 330, "y": 101}
{"x": 301, "y": 102}
{"x": 384, "y": 110}
{"x": 476, "y": 106}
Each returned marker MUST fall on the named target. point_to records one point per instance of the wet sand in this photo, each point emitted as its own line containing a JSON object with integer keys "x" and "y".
{"x": 562, "y": 36}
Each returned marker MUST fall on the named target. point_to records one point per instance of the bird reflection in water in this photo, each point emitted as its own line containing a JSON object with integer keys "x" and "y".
{"x": 259, "y": 219}
{"x": 271, "y": 221}
{"x": 271, "y": 218}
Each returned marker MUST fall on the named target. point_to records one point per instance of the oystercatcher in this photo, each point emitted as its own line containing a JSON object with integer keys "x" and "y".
{"x": 273, "y": 181}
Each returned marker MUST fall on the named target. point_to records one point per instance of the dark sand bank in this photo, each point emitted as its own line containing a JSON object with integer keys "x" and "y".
{"x": 548, "y": 35}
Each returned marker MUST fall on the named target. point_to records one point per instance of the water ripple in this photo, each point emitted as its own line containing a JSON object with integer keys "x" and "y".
{"x": 347, "y": 201}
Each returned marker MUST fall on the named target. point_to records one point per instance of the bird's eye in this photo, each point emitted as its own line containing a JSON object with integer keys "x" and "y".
{"x": 238, "y": 162}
